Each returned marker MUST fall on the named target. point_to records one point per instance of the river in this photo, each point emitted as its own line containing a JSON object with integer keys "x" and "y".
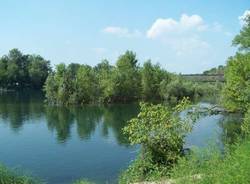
{"x": 60, "y": 145}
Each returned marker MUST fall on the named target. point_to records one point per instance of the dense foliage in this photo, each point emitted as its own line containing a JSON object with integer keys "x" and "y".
{"x": 237, "y": 88}
{"x": 160, "y": 131}
{"x": 23, "y": 71}
{"x": 77, "y": 84}
{"x": 124, "y": 82}
{"x": 242, "y": 40}
{"x": 236, "y": 93}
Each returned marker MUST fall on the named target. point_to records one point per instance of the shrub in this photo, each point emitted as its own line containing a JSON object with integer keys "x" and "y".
{"x": 160, "y": 131}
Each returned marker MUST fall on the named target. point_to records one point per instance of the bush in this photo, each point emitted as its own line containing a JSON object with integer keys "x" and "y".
{"x": 160, "y": 131}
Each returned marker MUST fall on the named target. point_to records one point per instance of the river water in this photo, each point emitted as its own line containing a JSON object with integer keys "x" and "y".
{"x": 60, "y": 145}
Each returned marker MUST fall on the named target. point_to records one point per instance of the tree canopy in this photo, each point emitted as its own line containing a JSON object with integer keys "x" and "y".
{"x": 236, "y": 93}
{"x": 242, "y": 40}
{"x": 126, "y": 81}
{"x": 23, "y": 71}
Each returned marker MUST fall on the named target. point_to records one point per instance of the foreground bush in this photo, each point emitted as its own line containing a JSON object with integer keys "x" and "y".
{"x": 160, "y": 131}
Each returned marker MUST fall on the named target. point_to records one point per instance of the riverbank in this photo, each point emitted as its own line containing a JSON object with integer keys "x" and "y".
{"x": 208, "y": 166}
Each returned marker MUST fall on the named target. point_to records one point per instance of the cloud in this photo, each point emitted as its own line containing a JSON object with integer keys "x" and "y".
{"x": 244, "y": 16}
{"x": 167, "y": 26}
{"x": 183, "y": 36}
{"x": 121, "y": 31}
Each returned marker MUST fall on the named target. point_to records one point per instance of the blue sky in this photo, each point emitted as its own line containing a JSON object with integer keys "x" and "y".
{"x": 183, "y": 36}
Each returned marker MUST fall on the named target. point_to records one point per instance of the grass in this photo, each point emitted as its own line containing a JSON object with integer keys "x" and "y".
{"x": 202, "y": 166}
{"x": 208, "y": 166}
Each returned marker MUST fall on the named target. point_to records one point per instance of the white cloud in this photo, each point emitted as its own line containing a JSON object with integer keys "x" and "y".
{"x": 167, "y": 26}
{"x": 193, "y": 21}
{"x": 121, "y": 31}
{"x": 244, "y": 16}
{"x": 183, "y": 36}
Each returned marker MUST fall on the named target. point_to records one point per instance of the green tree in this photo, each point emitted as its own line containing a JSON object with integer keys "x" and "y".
{"x": 104, "y": 73}
{"x": 23, "y": 71}
{"x": 17, "y": 73}
{"x": 51, "y": 88}
{"x": 126, "y": 78}
{"x": 38, "y": 70}
{"x": 242, "y": 40}
{"x": 151, "y": 78}
{"x": 160, "y": 131}
{"x": 86, "y": 85}
{"x": 3, "y": 72}
{"x": 236, "y": 92}
{"x": 174, "y": 90}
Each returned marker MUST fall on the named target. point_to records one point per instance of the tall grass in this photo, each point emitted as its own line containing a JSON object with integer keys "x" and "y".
{"x": 205, "y": 167}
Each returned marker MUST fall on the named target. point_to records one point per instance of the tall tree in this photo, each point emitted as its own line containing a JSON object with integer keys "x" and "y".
{"x": 126, "y": 77}
{"x": 86, "y": 84}
{"x": 104, "y": 73}
{"x": 38, "y": 70}
{"x": 151, "y": 78}
{"x": 236, "y": 93}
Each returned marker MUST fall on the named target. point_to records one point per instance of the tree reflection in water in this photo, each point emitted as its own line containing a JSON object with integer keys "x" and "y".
{"x": 16, "y": 109}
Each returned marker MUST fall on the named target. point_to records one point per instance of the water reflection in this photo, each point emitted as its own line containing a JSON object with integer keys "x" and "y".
{"x": 18, "y": 108}
{"x": 81, "y": 141}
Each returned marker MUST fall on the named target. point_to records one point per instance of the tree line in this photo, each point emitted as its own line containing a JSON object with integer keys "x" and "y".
{"x": 18, "y": 71}
{"x": 126, "y": 81}
{"x": 77, "y": 84}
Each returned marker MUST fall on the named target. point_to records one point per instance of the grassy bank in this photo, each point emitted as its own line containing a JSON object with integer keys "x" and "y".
{"x": 209, "y": 167}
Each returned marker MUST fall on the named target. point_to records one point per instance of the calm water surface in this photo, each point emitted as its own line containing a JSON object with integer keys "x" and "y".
{"x": 61, "y": 145}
